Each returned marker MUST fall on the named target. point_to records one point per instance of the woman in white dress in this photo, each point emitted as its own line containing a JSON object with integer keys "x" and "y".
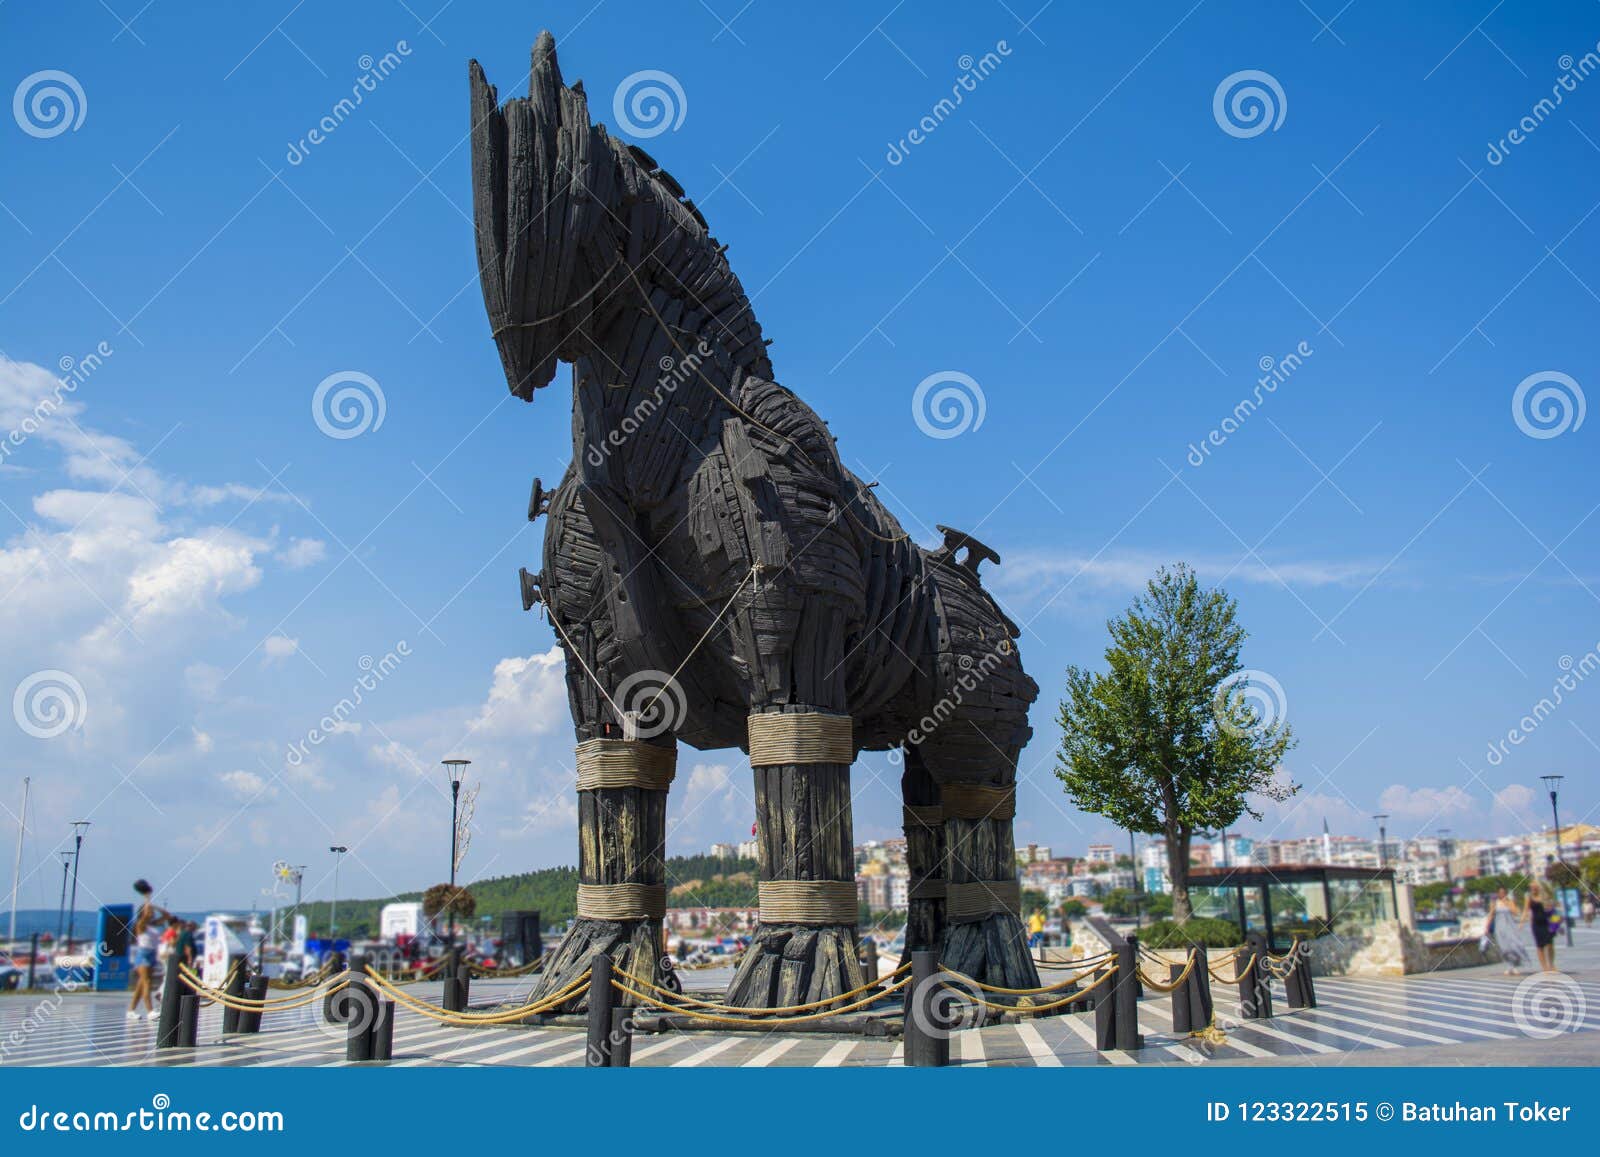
{"x": 1505, "y": 929}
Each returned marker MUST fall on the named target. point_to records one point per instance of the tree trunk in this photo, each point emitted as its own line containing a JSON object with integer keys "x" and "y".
{"x": 1178, "y": 869}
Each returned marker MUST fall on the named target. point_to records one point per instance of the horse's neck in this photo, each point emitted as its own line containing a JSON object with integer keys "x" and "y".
{"x": 647, "y": 397}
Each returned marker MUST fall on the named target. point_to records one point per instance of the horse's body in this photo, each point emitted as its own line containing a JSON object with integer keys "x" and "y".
{"x": 709, "y": 558}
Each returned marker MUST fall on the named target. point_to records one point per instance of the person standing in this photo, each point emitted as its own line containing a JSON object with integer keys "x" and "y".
{"x": 1537, "y": 917}
{"x": 1505, "y": 929}
{"x": 1036, "y": 929}
{"x": 143, "y": 953}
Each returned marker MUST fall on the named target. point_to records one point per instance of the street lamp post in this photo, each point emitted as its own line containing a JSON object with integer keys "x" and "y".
{"x": 61, "y": 910}
{"x": 456, "y": 769}
{"x": 78, "y": 828}
{"x": 1383, "y": 840}
{"x": 1553, "y": 782}
{"x": 338, "y": 851}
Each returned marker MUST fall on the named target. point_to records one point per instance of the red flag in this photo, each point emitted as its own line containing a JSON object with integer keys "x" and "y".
{"x": 752, "y": 829}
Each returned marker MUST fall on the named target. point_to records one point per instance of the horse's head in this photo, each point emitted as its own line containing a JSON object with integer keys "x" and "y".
{"x": 575, "y": 227}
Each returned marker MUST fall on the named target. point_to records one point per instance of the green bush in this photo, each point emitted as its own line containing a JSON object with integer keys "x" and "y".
{"x": 1198, "y": 930}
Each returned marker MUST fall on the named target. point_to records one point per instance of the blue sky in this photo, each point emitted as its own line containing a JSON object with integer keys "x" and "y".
{"x": 1083, "y": 237}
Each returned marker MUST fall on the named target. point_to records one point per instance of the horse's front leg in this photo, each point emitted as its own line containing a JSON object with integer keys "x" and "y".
{"x": 804, "y": 949}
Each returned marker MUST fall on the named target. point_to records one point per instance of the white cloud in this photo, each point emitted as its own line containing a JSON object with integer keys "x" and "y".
{"x": 1425, "y": 804}
{"x": 246, "y": 786}
{"x": 203, "y": 743}
{"x": 1515, "y": 801}
{"x": 303, "y": 552}
{"x": 1065, "y": 579}
{"x": 276, "y": 648}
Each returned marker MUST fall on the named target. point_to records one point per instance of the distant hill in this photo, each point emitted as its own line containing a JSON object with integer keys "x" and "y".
{"x": 692, "y": 881}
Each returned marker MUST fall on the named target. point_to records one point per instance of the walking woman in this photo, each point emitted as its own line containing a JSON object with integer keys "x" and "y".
{"x": 1505, "y": 929}
{"x": 143, "y": 951}
{"x": 1537, "y": 917}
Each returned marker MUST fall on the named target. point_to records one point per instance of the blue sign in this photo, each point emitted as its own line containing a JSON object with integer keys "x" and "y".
{"x": 112, "y": 939}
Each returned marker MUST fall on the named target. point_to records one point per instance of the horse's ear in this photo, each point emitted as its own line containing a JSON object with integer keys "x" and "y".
{"x": 544, "y": 76}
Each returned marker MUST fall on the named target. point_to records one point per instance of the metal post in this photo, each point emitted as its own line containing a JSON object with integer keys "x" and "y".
{"x": 78, "y": 827}
{"x": 455, "y": 802}
{"x": 927, "y": 1040}
{"x": 359, "y": 1010}
{"x": 1552, "y": 782}
{"x": 16, "y": 867}
{"x": 33, "y": 958}
{"x": 338, "y": 851}
{"x": 602, "y": 999}
{"x": 1200, "y": 1007}
{"x": 61, "y": 909}
{"x": 1182, "y": 1016}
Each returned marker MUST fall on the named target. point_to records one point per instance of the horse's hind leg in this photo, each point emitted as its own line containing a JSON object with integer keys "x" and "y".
{"x": 983, "y": 932}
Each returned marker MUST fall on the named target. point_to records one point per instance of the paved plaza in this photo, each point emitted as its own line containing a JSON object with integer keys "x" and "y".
{"x": 1473, "y": 1016}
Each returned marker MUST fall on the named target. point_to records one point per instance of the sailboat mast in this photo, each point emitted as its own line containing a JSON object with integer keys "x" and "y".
{"x": 16, "y": 867}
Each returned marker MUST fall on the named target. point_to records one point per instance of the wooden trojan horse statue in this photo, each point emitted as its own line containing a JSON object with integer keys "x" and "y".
{"x": 716, "y": 576}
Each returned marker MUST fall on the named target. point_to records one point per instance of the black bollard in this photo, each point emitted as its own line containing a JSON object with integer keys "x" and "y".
{"x": 1200, "y": 1007}
{"x": 336, "y": 965}
{"x": 358, "y": 1010}
{"x": 453, "y": 971}
{"x": 1125, "y": 994}
{"x": 602, "y": 1000}
{"x": 1255, "y": 992}
{"x": 869, "y": 958}
{"x": 172, "y": 989}
{"x": 927, "y": 1040}
{"x": 255, "y": 990}
{"x": 1297, "y": 990}
{"x": 188, "y": 1020}
{"x": 621, "y": 1038}
{"x": 383, "y": 1032}
{"x": 33, "y": 959}
{"x": 234, "y": 989}
{"x": 1182, "y": 1016}
{"x": 1105, "y": 1013}
{"x": 1138, "y": 985}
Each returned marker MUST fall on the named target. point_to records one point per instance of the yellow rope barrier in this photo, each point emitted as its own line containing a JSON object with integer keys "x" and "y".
{"x": 467, "y": 1019}
{"x": 1168, "y": 985}
{"x": 782, "y": 1010}
{"x": 245, "y": 1003}
{"x": 1035, "y": 1008}
{"x": 756, "y": 1020}
{"x": 976, "y": 983}
{"x": 1244, "y": 970}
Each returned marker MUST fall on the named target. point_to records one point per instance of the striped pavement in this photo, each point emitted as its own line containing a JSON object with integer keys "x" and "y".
{"x": 1355, "y": 1015}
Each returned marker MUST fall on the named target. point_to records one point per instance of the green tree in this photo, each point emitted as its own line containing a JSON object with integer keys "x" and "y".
{"x": 1166, "y": 740}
